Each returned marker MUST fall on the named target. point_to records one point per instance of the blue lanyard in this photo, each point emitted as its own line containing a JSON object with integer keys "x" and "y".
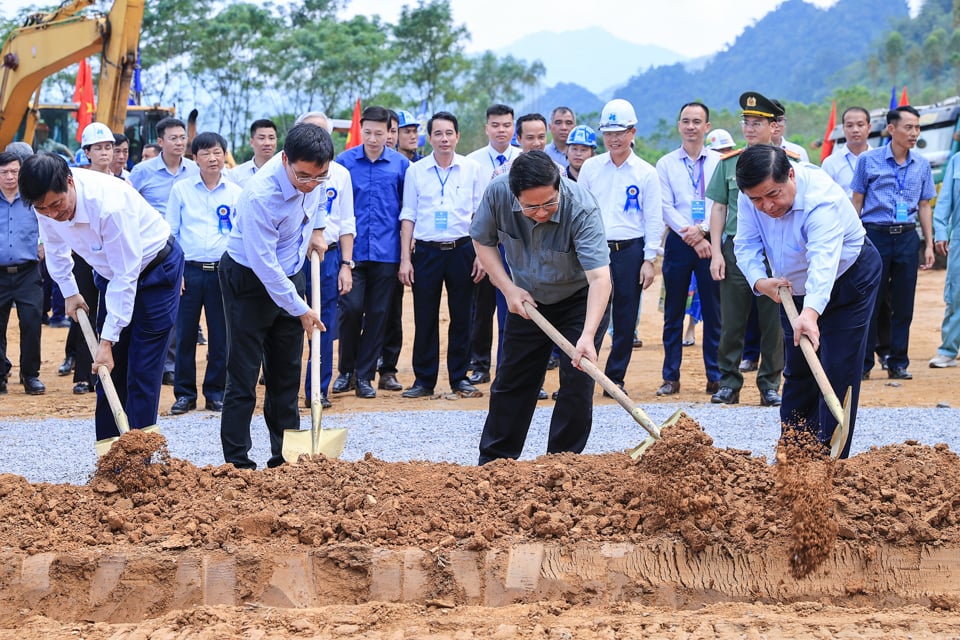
{"x": 846, "y": 157}
{"x": 698, "y": 182}
{"x": 442, "y": 181}
{"x": 901, "y": 181}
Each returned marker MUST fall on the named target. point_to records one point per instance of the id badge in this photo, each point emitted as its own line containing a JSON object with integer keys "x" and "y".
{"x": 698, "y": 209}
{"x": 902, "y": 213}
{"x": 440, "y": 220}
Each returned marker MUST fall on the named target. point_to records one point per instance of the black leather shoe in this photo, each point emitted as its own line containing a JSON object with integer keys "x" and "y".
{"x": 83, "y": 387}
{"x": 607, "y": 395}
{"x": 668, "y": 388}
{"x": 326, "y": 404}
{"x": 168, "y": 378}
{"x": 67, "y": 367}
{"x": 553, "y": 363}
{"x": 883, "y": 362}
{"x": 3, "y": 386}
{"x": 182, "y": 405}
{"x": 388, "y": 382}
{"x": 726, "y": 395}
{"x": 417, "y": 391}
{"x": 479, "y": 377}
{"x": 214, "y": 405}
{"x": 33, "y": 387}
{"x": 542, "y": 395}
{"x": 865, "y": 375}
{"x": 748, "y": 365}
{"x": 769, "y": 398}
{"x": 555, "y": 395}
{"x": 466, "y": 390}
{"x": 899, "y": 373}
{"x": 365, "y": 390}
{"x": 713, "y": 387}
{"x": 344, "y": 382}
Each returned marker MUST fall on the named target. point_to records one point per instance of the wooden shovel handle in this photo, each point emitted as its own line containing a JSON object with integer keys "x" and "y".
{"x": 104, "y": 374}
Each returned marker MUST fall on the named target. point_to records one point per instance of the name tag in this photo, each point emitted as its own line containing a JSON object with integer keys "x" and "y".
{"x": 698, "y": 209}
{"x": 440, "y": 220}
{"x": 902, "y": 212}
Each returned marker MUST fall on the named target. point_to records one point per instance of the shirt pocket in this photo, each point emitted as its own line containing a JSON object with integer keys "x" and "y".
{"x": 516, "y": 255}
{"x": 559, "y": 266}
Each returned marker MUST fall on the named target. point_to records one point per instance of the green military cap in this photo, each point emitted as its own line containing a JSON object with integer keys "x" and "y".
{"x": 754, "y": 104}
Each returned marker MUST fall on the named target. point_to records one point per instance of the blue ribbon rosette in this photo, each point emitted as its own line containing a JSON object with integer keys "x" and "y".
{"x": 331, "y": 196}
{"x": 224, "y": 226}
{"x": 633, "y": 199}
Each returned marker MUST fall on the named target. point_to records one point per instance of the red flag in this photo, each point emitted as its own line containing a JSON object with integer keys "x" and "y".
{"x": 353, "y": 136}
{"x": 83, "y": 94}
{"x": 827, "y": 148}
{"x": 904, "y": 100}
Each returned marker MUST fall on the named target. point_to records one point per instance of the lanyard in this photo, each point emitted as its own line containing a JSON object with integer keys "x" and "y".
{"x": 846, "y": 157}
{"x": 442, "y": 181}
{"x": 698, "y": 181}
{"x": 901, "y": 180}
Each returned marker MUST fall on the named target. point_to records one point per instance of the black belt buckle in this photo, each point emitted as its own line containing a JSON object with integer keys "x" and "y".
{"x": 447, "y": 246}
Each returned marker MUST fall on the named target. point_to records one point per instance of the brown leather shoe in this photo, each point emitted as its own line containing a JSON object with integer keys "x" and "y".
{"x": 713, "y": 387}
{"x": 388, "y": 382}
{"x": 668, "y": 388}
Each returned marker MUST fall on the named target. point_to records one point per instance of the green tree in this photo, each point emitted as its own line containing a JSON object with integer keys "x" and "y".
{"x": 935, "y": 52}
{"x": 914, "y": 63}
{"x": 893, "y": 50}
{"x": 170, "y": 32}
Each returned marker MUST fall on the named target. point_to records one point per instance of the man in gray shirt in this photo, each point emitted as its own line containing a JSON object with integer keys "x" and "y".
{"x": 554, "y": 243}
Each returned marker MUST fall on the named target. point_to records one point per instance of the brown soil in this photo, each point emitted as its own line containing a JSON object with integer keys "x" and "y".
{"x": 689, "y": 541}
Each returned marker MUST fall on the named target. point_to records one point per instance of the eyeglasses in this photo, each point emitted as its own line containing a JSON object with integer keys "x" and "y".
{"x": 546, "y": 206}
{"x": 311, "y": 179}
{"x": 752, "y": 124}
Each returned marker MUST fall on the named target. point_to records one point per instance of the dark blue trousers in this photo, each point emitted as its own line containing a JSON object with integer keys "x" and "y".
{"x": 843, "y": 343}
{"x": 625, "y": 266}
{"x": 329, "y": 300}
{"x": 139, "y": 353}
{"x": 900, "y": 259}
{"x": 679, "y": 262}
{"x": 26, "y": 291}
{"x": 201, "y": 292}
{"x": 513, "y": 394}
{"x": 434, "y": 268}
{"x": 363, "y": 317}
{"x": 393, "y": 334}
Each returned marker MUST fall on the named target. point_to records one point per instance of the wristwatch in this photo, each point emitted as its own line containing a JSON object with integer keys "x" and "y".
{"x": 705, "y": 227}
{"x": 349, "y": 263}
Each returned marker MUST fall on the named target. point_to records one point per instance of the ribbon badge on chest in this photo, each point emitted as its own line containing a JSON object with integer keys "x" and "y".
{"x": 633, "y": 199}
{"x": 224, "y": 225}
{"x": 331, "y": 196}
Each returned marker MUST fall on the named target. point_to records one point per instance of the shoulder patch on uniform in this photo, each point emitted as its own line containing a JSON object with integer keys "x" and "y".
{"x": 793, "y": 155}
{"x": 731, "y": 154}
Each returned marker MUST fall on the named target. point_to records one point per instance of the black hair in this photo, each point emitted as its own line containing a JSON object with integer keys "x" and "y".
{"x": 531, "y": 170}
{"x": 443, "y": 115}
{"x": 499, "y": 110}
{"x": 208, "y": 140}
{"x": 706, "y": 110}
{"x": 119, "y": 138}
{"x": 849, "y": 109}
{"x": 262, "y": 123}
{"x": 894, "y": 115}
{"x": 394, "y": 118}
{"x": 6, "y": 157}
{"x": 168, "y": 123}
{"x": 43, "y": 173}
{"x": 530, "y": 117}
{"x": 759, "y": 162}
{"x": 309, "y": 143}
{"x": 376, "y": 114}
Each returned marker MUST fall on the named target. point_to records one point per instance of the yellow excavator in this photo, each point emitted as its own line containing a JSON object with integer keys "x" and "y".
{"x": 49, "y": 42}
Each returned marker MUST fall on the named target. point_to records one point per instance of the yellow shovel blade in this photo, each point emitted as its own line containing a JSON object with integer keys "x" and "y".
{"x": 102, "y": 446}
{"x": 638, "y": 450}
{"x": 298, "y": 442}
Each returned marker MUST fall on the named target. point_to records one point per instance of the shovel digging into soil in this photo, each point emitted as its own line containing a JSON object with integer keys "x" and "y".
{"x": 119, "y": 416}
{"x": 616, "y": 392}
{"x": 840, "y": 412}
{"x": 329, "y": 442}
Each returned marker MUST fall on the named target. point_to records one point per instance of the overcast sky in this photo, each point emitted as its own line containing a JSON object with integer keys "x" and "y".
{"x": 689, "y": 27}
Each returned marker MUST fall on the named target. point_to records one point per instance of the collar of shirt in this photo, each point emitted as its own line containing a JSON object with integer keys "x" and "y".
{"x": 200, "y": 183}
{"x": 279, "y": 173}
{"x": 888, "y": 155}
{"x": 431, "y": 161}
{"x": 632, "y": 160}
{"x": 161, "y": 166}
{"x": 16, "y": 197}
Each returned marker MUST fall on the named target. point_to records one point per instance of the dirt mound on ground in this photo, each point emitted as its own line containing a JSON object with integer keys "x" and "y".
{"x": 682, "y": 488}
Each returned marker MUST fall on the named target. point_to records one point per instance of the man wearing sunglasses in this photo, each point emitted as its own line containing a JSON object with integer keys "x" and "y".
{"x": 553, "y": 240}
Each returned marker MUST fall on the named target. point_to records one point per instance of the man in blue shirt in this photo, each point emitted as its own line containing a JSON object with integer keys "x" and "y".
{"x": 377, "y": 174}
{"x": 802, "y": 221}
{"x": 19, "y": 277}
{"x": 892, "y": 189}
{"x": 278, "y": 222}
{"x": 946, "y": 235}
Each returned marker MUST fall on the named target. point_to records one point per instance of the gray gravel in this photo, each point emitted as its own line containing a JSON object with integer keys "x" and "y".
{"x": 61, "y": 451}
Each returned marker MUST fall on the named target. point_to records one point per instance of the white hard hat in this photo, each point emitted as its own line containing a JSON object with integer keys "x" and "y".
{"x": 617, "y": 115}
{"x": 96, "y": 132}
{"x": 720, "y": 139}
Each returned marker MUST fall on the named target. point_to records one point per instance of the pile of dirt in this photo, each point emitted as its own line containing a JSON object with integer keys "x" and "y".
{"x": 682, "y": 487}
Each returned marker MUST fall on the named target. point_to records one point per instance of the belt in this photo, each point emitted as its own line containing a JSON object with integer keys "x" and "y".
{"x": 160, "y": 257}
{"x": 619, "y": 245}
{"x": 444, "y": 246}
{"x": 892, "y": 229}
{"x": 17, "y": 268}
{"x": 206, "y": 266}
{"x": 332, "y": 246}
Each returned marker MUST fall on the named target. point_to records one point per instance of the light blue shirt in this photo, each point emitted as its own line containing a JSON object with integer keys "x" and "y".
{"x": 682, "y": 180}
{"x": 811, "y": 245}
{"x": 153, "y": 180}
{"x": 272, "y": 232}
{"x": 242, "y": 173}
{"x": 884, "y": 183}
{"x": 560, "y": 157}
{"x": 840, "y": 166}
{"x": 19, "y": 232}
{"x": 946, "y": 215}
{"x": 202, "y": 218}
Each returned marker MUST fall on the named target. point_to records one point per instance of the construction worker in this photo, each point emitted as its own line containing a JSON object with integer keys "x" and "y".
{"x": 263, "y": 141}
{"x": 408, "y": 136}
{"x": 581, "y": 146}
{"x": 562, "y": 122}
{"x": 96, "y": 141}
{"x": 946, "y": 242}
{"x": 802, "y": 221}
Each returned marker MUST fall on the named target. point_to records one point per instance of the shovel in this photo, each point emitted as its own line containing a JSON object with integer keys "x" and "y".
{"x": 840, "y": 412}
{"x": 594, "y": 372}
{"x": 329, "y": 442}
{"x": 119, "y": 416}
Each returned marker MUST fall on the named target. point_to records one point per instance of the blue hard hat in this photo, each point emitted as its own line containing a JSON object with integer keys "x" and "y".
{"x": 582, "y": 134}
{"x": 406, "y": 119}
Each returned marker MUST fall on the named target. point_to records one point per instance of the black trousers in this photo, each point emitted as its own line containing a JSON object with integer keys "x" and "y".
{"x": 393, "y": 334}
{"x": 362, "y": 322}
{"x": 76, "y": 346}
{"x": 513, "y": 395}
{"x": 258, "y": 331}
{"x": 26, "y": 290}
{"x": 481, "y": 324}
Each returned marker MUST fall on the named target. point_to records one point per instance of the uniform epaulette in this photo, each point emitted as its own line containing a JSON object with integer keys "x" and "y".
{"x": 793, "y": 155}
{"x": 731, "y": 154}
